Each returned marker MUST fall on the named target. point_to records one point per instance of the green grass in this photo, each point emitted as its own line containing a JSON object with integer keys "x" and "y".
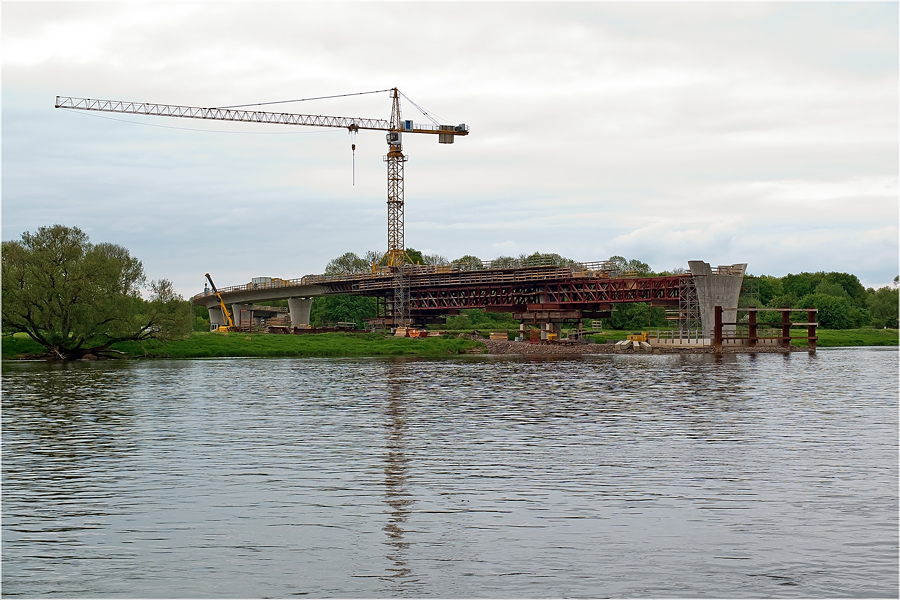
{"x": 20, "y": 345}
{"x": 204, "y": 344}
{"x": 836, "y": 338}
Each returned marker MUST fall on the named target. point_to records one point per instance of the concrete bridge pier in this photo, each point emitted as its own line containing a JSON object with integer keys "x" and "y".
{"x": 300, "y": 309}
{"x": 721, "y": 287}
{"x": 547, "y": 328}
{"x": 215, "y": 317}
{"x": 241, "y": 317}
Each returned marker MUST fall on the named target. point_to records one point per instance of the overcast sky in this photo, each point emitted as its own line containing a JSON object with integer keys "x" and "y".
{"x": 667, "y": 132}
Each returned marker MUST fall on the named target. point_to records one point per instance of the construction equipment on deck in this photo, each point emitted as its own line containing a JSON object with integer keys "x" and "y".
{"x": 229, "y": 322}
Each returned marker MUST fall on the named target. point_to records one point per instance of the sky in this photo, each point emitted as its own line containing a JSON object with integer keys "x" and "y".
{"x": 751, "y": 133}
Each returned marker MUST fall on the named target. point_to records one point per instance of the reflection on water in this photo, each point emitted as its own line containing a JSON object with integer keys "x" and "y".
{"x": 642, "y": 476}
{"x": 396, "y": 495}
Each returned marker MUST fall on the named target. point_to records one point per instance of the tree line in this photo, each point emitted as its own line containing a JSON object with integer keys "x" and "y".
{"x": 76, "y": 298}
{"x": 842, "y": 301}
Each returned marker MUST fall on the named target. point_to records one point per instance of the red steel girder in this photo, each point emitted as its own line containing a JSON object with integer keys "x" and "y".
{"x": 574, "y": 294}
{"x": 589, "y": 290}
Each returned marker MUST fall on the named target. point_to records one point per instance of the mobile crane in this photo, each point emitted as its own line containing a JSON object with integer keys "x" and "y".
{"x": 229, "y": 322}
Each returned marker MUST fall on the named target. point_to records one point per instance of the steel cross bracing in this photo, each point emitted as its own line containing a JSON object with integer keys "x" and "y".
{"x": 663, "y": 290}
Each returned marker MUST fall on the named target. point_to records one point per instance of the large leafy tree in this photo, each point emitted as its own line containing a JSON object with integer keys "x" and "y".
{"x": 637, "y": 315}
{"x": 348, "y": 263}
{"x": 884, "y": 305}
{"x": 633, "y": 266}
{"x": 328, "y": 310}
{"x": 75, "y": 298}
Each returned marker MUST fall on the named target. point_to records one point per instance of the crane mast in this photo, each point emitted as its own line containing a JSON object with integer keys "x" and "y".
{"x": 395, "y": 256}
{"x": 396, "y": 253}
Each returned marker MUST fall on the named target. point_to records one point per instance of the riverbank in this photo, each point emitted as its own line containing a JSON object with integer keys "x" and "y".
{"x": 206, "y": 345}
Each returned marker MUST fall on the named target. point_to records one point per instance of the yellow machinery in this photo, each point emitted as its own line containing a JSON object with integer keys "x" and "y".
{"x": 637, "y": 337}
{"x": 229, "y": 322}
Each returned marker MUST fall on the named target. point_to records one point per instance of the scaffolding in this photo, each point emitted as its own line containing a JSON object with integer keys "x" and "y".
{"x": 401, "y": 296}
{"x": 689, "y": 323}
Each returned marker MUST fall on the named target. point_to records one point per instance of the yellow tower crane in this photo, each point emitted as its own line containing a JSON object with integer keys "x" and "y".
{"x": 396, "y": 127}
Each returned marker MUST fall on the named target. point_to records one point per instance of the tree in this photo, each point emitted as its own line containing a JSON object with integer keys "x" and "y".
{"x": 77, "y": 298}
{"x": 468, "y": 263}
{"x": 850, "y": 284}
{"x": 435, "y": 259}
{"x": 347, "y": 264}
{"x": 800, "y": 284}
{"x": 637, "y": 315}
{"x": 328, "y": 310}
{"x": 834, "y": 312}
{"x": 633, "y": 265}
{"x": 884, "y": 305}
{"x": 477, "y": 318}
{"x": 539, "y": 259}
{"x": 504, "y": 262}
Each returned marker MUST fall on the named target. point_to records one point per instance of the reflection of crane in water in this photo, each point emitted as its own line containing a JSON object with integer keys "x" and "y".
{"x": 396, "y": 495}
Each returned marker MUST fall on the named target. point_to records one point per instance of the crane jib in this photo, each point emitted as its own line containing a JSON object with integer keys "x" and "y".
{"x": 230, "y": 114}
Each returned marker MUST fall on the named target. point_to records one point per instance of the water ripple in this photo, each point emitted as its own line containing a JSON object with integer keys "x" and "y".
{"x": 640, "y": 476}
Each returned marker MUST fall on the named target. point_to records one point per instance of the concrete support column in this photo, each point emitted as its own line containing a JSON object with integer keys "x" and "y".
{"x": 720, "y": 288}
{"x": 547, "y": 328}
{"x": 215, "y": 317}
{"x": 300, "y": 309}
{"x": 236, "y": 313}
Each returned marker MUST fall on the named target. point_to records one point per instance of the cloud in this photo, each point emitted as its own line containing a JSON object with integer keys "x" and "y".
{"x": 730, "y": 132}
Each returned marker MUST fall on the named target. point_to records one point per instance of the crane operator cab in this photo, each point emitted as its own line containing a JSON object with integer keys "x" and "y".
{"x": 394, "y": 138}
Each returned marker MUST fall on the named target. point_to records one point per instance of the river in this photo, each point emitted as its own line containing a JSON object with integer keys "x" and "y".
{"x": 604, "y": 476}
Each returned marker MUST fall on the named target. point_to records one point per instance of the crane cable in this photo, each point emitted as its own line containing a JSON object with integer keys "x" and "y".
{"x": 353, "y": 130}
{"x": 423, "y": 111}
{"x": 306, "y": 99}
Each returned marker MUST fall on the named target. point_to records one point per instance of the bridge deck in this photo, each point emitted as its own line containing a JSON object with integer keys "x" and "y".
{"x": 539, "y": 292}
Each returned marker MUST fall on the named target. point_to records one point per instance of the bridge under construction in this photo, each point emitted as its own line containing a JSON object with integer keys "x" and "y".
{"x": 546, "y": 296}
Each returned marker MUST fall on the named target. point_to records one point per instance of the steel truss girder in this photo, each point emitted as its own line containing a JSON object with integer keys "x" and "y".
{"x": 580, "y": 294}
{"x": 481, "y": 296}
{"x": 644, "y": 289}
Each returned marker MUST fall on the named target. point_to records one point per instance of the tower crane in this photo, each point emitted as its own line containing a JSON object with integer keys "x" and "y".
{"x": 395, "y": 128}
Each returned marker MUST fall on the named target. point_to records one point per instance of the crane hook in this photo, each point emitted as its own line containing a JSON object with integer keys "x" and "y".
{"x": 353, "y": 129}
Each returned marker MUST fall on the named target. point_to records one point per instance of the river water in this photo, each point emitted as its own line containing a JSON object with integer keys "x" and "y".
{"x": 625, "y": 476}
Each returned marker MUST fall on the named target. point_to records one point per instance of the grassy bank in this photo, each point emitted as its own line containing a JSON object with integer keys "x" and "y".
{"x": 836, "y": 338}
{"x": 202, "y": 344}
